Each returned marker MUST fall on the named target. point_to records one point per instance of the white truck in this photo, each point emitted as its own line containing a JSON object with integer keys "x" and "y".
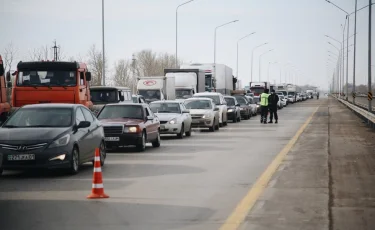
{"x": 187, "y": 81}
{"x": 222, "y": 82}
{"x": 156, "y": 88}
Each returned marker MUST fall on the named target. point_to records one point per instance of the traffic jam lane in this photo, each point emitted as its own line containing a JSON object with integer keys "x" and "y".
{"x": 193, "y": 182}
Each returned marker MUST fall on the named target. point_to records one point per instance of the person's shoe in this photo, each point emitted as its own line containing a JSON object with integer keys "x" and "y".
{"x": 265, "y": 122}
{"x": 270, "y": 122}
{"x": 276, "y": 122}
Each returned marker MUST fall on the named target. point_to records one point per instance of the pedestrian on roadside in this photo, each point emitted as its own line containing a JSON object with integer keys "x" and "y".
{"x": 273, "y": 99}
{"x": 264, "y": 106}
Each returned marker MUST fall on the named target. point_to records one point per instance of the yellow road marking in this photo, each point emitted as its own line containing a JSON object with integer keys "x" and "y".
{"x": 243, "y": 208}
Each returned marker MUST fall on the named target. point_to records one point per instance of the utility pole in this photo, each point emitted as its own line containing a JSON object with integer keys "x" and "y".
{"x": 369, "y": 95}
{"x": 55, "y": 51}
{"x": 354, "y": 49}
{"x": 103, "y": 67}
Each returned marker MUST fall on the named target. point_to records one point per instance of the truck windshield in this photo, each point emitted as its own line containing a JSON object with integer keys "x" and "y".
{"x": 257, "y": 91}
{"x": 291, "y": 93}
{"x": 150, "y": 95}
{"x": 104, "y": 96}
{"x": 183, "y": 93}
{"x": 47, "y": 78}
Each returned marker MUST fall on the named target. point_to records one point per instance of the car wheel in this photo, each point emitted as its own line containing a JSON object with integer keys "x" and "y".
{"x": 212, "y": 128}
{"x": 181, "y": 134}
{"x": 156, "y": 143}
{"x": 188, "y": 133}
{"x": 74, "y": 162}
{"x": 238, "y": 118}
{"x": 235, "y": 118}
{"x": 141, "y": 147}
{"x": 217, "y": 127}
{"x": 103, "y": 154}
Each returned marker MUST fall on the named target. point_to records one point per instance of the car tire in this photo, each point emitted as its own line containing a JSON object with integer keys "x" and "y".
{"x": 142, "y": 147}
{"x": 188, "y": 133}
{"x": 103, "y": 154}
{"x": 239, "y": 119}
{"x": 217, "y": 127}
{"x": 156, "y": 143}
{"x": 181, "y": 134}
{"x": 74, "y": 162}
{"x": 235, "y": 118}
{"x": 212, "y": 128}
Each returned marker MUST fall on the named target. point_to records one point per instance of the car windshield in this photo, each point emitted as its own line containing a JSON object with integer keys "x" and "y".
{"x": 47, "y": 78}
{"x": 198, "y": 104}
{"x": 216, "y": 99}
{"x": 150, "y": 94}
{"x": 183, "y": 93}
{"x": 291, "y": 93}
{"x": 40, "y": 117}
{"x": 241, "y": 100}
{"x": 165, "y": 107}
{"x": 121, "y": 111}
{"x": 103, "y": 96}
{"x": 230, "y": 101}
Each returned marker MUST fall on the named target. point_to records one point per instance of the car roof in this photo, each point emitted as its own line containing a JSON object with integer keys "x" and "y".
{"x": 198, "y": 98}
{"x": 229, "y": 96}
{"x": 207, "y": 93}
{"x": 166, "y": 101}
{"x": 125, "y": 104}
{"x": 53, "y": 105}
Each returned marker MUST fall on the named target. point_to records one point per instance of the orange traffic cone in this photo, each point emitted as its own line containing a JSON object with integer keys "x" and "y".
{"x": 97, "y": 182}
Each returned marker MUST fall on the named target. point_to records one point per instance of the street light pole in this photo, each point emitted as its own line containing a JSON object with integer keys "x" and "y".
{"x": 369, "y": 58}
{"x": 237, "y": 48}
{"x": 268, "y": 73}
{"x": 177, "y": 28}
{"x": 215, "y": 43}
{"x": 252, "y": 59}
{"x": 260, "y": 62}
{"x": 103, "y": 67}
{"x": 354, "y": 49}
{"x": 347, "y": 60}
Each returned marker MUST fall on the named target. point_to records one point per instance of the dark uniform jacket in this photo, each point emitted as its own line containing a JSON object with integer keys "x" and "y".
{"x": 273, "y": 99}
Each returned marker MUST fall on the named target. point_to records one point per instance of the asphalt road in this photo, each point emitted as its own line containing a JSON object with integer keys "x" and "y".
{"x": 194, "y": 183}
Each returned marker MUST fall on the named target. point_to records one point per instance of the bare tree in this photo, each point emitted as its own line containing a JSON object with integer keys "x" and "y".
{"x": 95, "y": 64}
{"x": 123, "y": 74}
{"x": 38, "y": 54}
{"x": 9, "y": 56}
{"x": 151, "y": 64}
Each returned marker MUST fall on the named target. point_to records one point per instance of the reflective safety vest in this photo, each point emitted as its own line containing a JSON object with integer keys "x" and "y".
{"x": 264, "y": 99}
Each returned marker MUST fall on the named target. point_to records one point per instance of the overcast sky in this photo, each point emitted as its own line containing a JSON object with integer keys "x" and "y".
{"x": 295, "y": 29}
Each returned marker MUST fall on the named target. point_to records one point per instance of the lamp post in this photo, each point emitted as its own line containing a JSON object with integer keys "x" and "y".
{"x": 237, "y": 47}
{"x": 369, "y": 58}
{"x": 268, "y": 72}
{"x": 177, "y": 28}
{"x": 215, "y": 43}
{"x": 103, "y": 49}
{"x": 339, "y": 63}
{"x": 260, "y": 61}
{"x": 252, "y": 58}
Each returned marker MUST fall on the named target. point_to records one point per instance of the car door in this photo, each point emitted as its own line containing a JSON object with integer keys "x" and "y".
{"x": 82, "y": 136}
{"x": 95, "y": 134}
{"x": 151, "y": 125}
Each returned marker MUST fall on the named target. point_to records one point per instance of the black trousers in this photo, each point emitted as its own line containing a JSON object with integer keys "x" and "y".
{"x": 263, "y": 113}
{"x": 273, "y": 112}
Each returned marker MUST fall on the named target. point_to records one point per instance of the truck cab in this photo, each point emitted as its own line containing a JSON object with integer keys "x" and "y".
{"x": 156, "y": 88}
{"x": 4, "y": 104}
{"x": 51, "y": 82}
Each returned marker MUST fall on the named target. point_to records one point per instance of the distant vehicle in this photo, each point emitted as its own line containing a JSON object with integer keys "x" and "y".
{"x": 220, "y": 102}
{"x": 52, "y": 136}
{"x": 245, "y": 106}
{"x": 204, "y": 113}
{"x": 250, "y": 94}
{"x": 282, "y": 88}
{"x": 257, "y": 102}
{"x": 291, "y": 98}
{"x": 156, "y": 88}
{"x": 129, "y": 124}
{"x": 187, "y": 81}
{"x": 234, "y": 112}
{"x": 51, "y": 82}
{"x": 138, "y": 99}
{"x": 253, "y": 106}
{"x": 298, "y": 97}
{"x": 102, "y": 95}
{"x": 4, "y": 104}
{"x": 258, "y": 87}
{"x": 173, "y": 116}
{"x": 283, "y": 100}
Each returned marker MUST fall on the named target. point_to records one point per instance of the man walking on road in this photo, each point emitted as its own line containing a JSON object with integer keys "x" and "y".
{"x": 264, "y": 106}
{"x": 273, "y": 99}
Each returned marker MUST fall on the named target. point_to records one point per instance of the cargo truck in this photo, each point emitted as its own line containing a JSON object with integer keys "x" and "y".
{"x": 222, "y": 82}
{"x": 187, "y": 81}
{"x": 4, "y": 104}
{"x": 156, "y": 88}
{"x": 257, "y": 88}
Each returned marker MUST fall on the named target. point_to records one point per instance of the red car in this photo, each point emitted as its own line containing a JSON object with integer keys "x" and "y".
{"x": 130, "y": 124}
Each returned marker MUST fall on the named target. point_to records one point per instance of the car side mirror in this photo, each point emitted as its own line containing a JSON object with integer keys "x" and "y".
{"x": 216, "y": 109}
{"x": 149, "y": 118}
{"x": 185, "y": 111}
{"x": 83, "y": 124}
{"x": 88, "y": 76}
{"x": 8, "y": 76}
{"x": 9, "y": 84}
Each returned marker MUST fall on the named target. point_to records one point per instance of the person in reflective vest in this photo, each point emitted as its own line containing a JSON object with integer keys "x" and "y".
{"x": 264, "y": 106}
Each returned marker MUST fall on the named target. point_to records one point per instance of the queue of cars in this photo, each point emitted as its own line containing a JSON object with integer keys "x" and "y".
{"x": 65, "y": 136}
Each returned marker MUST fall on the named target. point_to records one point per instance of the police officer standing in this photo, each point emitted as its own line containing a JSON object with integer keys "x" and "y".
{"x": 264, "y": 106}
{"x": 273, "y": 99}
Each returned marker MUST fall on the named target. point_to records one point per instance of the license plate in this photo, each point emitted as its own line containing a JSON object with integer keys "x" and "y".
{"x": 195, "y": 122}
{"x": 21, "y": 157}
{"x": 162, "y": 126}
{"x": 112, "y": 138}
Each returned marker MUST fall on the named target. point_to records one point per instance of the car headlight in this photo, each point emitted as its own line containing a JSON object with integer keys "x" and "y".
{"x": 173, "y": 121}
{"x": 207, "y": 116}
{"x": 230, "y": 110}
{"x": 131, "y": 129}
{"x": 62, "y": 141}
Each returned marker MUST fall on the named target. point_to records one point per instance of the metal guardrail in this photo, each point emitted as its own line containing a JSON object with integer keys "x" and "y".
{"x": 360, "y": 111}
